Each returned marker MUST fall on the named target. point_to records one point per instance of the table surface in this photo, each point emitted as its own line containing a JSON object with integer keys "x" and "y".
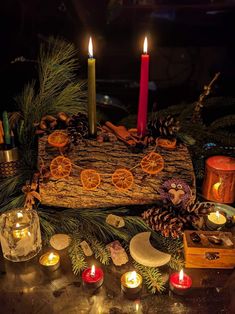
{"x": 26, "y": 288}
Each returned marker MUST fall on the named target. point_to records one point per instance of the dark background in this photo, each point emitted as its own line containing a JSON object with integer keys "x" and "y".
{"x": 188, "y": 42}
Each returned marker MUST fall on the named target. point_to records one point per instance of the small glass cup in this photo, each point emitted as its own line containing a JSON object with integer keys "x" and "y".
{"x": 20, "y": 234}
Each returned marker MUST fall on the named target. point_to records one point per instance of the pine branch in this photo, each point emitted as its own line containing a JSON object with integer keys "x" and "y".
{"x": 76, "y": 254}
{"x": 47, "y": 227}
{"x": 223, "y": 122}
{"x": 99, "y": 249}
{"x": 152, "y": 278}
{"x": 176, "y": 262}
{"x": 13, "y": 202}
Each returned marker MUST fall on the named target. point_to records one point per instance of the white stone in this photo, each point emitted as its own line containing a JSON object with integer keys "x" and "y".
{"x": 60, "y": 241}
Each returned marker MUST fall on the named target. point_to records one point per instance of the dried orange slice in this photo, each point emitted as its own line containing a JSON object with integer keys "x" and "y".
{"x": 152, "y": 163}
{"x": 166, "y": 143}
{"x": 90, "y": 179}
{"x": 60, "y": 167}
{"x": 58, "y": 139}
{"x": 122, "y": 179}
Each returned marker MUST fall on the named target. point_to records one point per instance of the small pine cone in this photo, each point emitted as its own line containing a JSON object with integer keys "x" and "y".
{"x": 78, "y": 128}
{"x": 163, "y": 126}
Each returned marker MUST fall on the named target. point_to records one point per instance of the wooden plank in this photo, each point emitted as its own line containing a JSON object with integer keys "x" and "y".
{"x": 106, "y": 158}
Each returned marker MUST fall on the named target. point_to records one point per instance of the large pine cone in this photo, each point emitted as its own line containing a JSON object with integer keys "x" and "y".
{"x": 169, "y": 221}
{"x": 78, "y": 128}
{"x": 166, "y": 127}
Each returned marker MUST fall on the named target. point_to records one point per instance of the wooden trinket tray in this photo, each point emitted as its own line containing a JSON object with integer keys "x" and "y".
{"x": 205, "y": 254}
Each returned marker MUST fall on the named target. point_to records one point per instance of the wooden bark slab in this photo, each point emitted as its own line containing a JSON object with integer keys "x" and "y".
{"x": 106, "y": 158}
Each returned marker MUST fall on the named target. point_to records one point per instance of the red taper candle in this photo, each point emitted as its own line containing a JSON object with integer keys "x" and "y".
{"x": 143, "y": 96}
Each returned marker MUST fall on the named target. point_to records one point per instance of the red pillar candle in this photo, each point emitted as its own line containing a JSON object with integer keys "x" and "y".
{"x": 92, "y": 277}
{"x": 143, "y": 96}
{"x": 180, "y": 283}
{"x": 219, "y": 181}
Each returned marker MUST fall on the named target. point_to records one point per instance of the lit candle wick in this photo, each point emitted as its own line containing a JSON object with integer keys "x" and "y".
{"x": 132, "y": 278}
{"x": 181, "y": 275}
{"x": 90, "y": 48}
{"x": 50, "y": 256}
{"x": 17, "y": 225}
{"x": 145, "y": 46}
{"x": 93, "y": 271}
{"x": 217, "y": 214}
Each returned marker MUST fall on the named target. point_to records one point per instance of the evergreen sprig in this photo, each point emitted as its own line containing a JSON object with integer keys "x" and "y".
{"x": 152, "y": 277}
{"x": 176, "y": 262}
{"x": 99, "y": 249}
{"x": 76, "y": 253}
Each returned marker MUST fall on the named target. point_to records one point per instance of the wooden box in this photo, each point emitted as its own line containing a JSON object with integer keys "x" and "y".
{"x": 198, "y": 255}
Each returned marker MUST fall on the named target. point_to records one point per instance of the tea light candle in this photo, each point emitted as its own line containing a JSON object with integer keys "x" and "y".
{"x": 93, "y": 277}
{"x": 131, "y": 283}
{"x": 50, "y": 261}
{"x": 215, "y": 220}
{"x": 20, "y": 231}
{"x": 180, "y": 283}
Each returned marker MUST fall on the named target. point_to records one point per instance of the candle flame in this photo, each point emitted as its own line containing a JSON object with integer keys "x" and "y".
{"x": 216, "y": 186}
{"x": 19, "y": 215}
{"x": 90, "y": 48}
{"x": 29, "y": 234}
{"x": 181, "y": 275}
{"x": 217, "y": 214}
{"x": 137, "y": 306}
{"x": 145, "y": 46}
{"x": 17, "y": 225}
{"x": 51, "y": 256}
{"x": 132, "y": 276}
{"x": 92, "y": 270}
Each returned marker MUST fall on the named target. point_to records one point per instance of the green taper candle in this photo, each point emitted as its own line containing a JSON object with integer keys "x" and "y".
{"x": 91, "y": 91}
{"x": 6, "y": 127}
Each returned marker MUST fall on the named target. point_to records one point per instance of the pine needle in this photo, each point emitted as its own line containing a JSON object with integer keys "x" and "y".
{"x": 152, "y": 277}
{"x": 76, "y": 254}
{"x": 176, "y": 262}
{"x": 99, "y": 248}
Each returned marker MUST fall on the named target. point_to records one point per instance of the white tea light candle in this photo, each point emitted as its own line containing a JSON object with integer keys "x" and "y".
{"x": 50, "y": 261}
{"x": 131, "y": 283}
{"x": 215, "y": 220}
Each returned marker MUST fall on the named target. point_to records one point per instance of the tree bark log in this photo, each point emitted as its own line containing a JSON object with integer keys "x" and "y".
{"x": 106, "y": 158}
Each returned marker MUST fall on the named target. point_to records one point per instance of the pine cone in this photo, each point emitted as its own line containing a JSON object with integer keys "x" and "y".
{"x": 163, "y": 126}
{"x": 78, "y": 128}
{"x": 168, "y": 221}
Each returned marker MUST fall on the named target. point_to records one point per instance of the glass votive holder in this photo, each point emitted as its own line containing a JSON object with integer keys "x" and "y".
{"x": 20, "y": 234}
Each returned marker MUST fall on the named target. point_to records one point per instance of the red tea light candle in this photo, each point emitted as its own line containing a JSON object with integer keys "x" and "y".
{"x": 143, "y": 96}
{"x": 180, "y": 283}
{"x": 131, "y": 283}
{"x": 93, "y": 277}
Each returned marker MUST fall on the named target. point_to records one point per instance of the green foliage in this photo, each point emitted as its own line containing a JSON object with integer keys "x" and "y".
{"x": 152, "y": 278}
{"x": 176, "y": 262}
{"x": 57, "y": 90}
{"x": 76, "y": 253}
{"x": 99, "y": 249}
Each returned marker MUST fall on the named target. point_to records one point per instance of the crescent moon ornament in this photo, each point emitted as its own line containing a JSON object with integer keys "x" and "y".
{"x": 144, "y": 253}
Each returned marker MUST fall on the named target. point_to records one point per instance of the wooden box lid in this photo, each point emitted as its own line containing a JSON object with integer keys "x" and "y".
{"x": 191, "y": 247}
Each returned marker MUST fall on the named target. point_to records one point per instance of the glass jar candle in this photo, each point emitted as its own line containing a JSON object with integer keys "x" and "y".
{"x": 20, "y": 234}
{"x": 219, "y": 180}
